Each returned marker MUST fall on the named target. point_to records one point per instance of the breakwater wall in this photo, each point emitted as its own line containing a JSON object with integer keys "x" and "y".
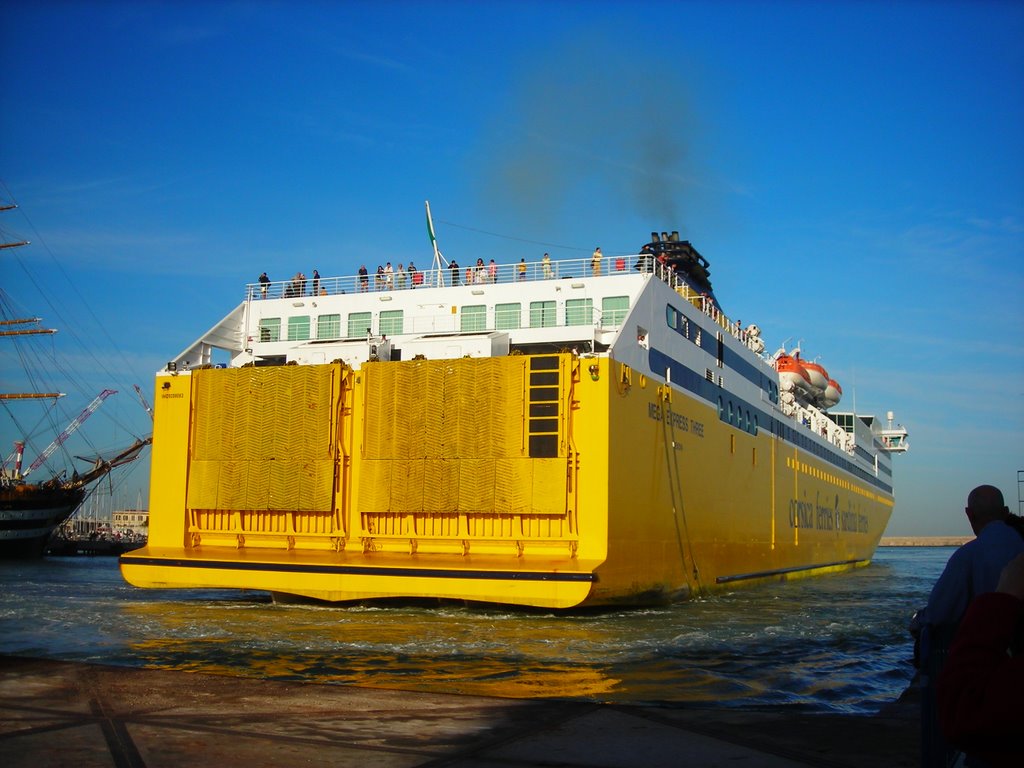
{"x": 923, "y": 541}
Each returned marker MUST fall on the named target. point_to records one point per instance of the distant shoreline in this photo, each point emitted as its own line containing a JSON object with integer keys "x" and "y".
{"x": 923, "y": 541}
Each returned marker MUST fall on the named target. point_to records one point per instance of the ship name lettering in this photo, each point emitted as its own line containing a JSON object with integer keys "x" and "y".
{"x": 825, "y": 521}
{"x": 676, "y": 420}
{"x": 801, "y": 514}
{"x": 168, "y": 395}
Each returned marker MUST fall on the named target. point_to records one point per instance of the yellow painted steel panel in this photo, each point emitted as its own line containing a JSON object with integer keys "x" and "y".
{"x": 513, "y": 483}
{"x": 263, "y": 439}
{"x": 549, "y": 487}
{"x": 374, "y": 486}
{"x": 440, "y": 485}
{"x": 476, "y": 485}
{"x": 407, "y": 486}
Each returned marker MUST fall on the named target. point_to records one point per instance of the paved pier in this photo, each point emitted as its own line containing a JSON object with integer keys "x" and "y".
{"x": 57, "y": 714}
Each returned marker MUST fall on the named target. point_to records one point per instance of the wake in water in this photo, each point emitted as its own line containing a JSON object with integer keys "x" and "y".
{"x": 832, "y": 644}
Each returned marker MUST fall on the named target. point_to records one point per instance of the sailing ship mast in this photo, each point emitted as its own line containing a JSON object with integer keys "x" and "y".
{"x": 32, "y": 511}
{"x": 14, "y": 327}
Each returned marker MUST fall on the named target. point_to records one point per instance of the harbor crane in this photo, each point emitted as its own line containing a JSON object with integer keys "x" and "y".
{"x": 145, "y": 402}
{"x": 69, "y": 429}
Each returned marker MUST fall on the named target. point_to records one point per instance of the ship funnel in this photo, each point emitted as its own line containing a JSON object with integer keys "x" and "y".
{"x": 664, "y": 236}
{"x": 654, "y": 237}
{"x": 675, "y": 236}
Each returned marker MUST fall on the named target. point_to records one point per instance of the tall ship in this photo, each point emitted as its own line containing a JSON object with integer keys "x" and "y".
{"x": 31, "y": 510}
{"x": 557, "y": 434}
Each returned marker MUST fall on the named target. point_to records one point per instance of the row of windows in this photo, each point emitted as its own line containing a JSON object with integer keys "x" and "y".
{"x": 737, "y": 416}
{"x": 680, "y": 323}
{"x": 507, "y": 317}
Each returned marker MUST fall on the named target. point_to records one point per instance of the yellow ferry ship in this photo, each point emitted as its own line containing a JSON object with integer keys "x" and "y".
{"x": 555, "y": 434}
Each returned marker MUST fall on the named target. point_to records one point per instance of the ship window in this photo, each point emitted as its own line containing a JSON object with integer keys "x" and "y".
{"x": 328, "y": 327}
{"x": 721, "y": 349}
{"x": 507, "y": 317}
{"x": 270, "y": 329}
{"x": 298, "y": 328}
{"x": 732, "y": 416}
{"x": 540, "y": 394}
{"x": 671, "y": 317}
{"x": 473, "y": 317}
{"x": 391, "y": 322}
{"x": 542, "y": 314}
{"x": 721, "y": 408}
{"x": 358, "y": 324}
{"x": 543, "y": 446}
{"x": 579, "y": 311}
{"x": 544, "y": 378}
{"x": 613, "y": 310}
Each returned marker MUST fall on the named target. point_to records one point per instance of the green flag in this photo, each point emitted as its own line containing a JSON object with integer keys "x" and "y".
{"x": 430, "y": 225}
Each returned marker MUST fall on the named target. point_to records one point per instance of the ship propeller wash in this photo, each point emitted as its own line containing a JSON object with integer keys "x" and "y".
{"x": 557, "y": 434}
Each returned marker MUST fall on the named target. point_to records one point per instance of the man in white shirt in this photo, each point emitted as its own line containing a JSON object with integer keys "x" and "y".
{"x": 975, "y": 567}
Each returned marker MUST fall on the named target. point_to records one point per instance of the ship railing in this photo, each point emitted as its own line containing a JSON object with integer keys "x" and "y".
{"x": 487, "y": 274}
{"x": 475, "y": 274}
{"x": 820, "y": 424}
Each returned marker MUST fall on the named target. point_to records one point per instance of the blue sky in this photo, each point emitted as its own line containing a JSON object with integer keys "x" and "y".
{"x": 853, "y": 171}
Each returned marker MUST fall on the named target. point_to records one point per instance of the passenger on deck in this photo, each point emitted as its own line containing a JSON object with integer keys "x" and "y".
{"x": 364, "y": 279}
{"x": 453, "y": 270}
{"x": 545, "y": 265}
{"x": 595, "y": 262}
{"x": 492, "y": 271}
{"x": 522, "y": 269}
{"x": 264, "y": 284}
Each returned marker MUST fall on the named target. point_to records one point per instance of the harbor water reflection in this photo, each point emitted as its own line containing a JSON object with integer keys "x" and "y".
{"x": 830, "y": 644}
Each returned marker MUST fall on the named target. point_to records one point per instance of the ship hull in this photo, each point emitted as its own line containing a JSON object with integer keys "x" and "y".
{"x": 541, "y": 480}
{"x": 29, "y": 514}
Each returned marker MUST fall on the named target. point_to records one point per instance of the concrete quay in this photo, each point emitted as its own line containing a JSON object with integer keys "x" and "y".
{"x": 57, "y": 714}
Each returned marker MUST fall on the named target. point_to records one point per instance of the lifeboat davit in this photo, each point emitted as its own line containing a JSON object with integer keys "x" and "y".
{"x": 833, "y": 393}
{"x": 818, "y": 376}
{"x": 792, "y": 374}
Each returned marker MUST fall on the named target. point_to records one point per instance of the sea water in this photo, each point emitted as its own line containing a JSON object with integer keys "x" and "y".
{"x": 836, "y": 643}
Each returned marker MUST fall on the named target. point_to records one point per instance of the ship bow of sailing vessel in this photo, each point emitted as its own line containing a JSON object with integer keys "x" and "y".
{"x": 558, "y": 434}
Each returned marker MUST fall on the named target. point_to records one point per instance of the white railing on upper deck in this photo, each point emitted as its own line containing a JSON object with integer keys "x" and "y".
{"x": 489, "y": 274}
{"x": 409, "y": 279}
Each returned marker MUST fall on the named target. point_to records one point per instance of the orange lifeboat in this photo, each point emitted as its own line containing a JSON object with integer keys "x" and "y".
{"x": 818, "y": 376}
{"x": 792, "y": 374}
{"x": 833, "y": 393}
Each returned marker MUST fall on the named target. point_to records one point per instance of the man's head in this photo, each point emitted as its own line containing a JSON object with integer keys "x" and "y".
{"x": 984, "y": 505}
